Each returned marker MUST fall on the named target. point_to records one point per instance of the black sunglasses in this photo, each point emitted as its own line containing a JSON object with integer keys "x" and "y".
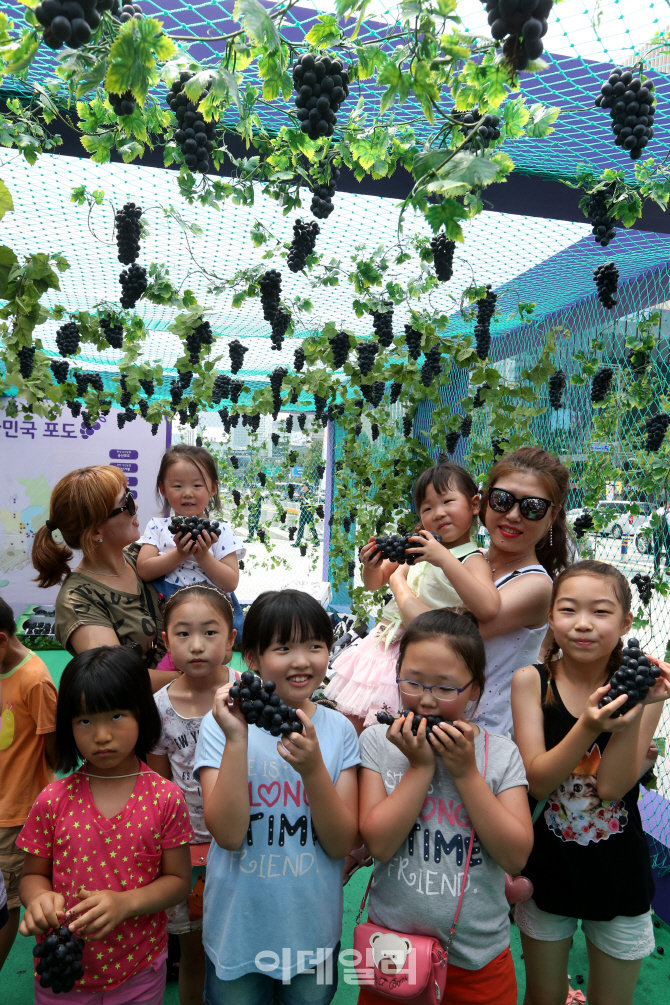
{"x": 530, "y": 507}
{"x": 129, "y": 504}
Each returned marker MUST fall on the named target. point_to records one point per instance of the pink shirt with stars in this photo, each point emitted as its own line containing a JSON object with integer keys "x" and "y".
{"x": 121, "y": 853}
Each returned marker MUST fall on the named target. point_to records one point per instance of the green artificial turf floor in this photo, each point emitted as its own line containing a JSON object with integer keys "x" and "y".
{"x": 16, "y": 981}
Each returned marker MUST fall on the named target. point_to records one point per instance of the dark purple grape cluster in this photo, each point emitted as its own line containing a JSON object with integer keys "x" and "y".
{"x": 147, "y": 386}
{"x": 453, "y": 436}
{"x": 321, "y": 85}
{"x": 637, "y": 359}
{"x": 486, "y": 128}
{"x": 84, "y": 379}
{"x": 632, "y": 106}
{"x": 262, "y": 478}
{"x": 376, "y": 393}
{"x": 124, "y": 13}
{"x": 382, "y": 322}
{"x": 656, "y": 426}
{"x": 221, "y": 388}
{"x": 443, "y": 260}
{"x": 113, "y": 332}
{"x": 407, "y": 424}
{"x": 236, "y": 351}
{"x": 194, "y": 136}
{"x": 194, "y": 525}
{"x": 133, "y": 284}
{"x": 366, "y": 352}
{"x": 302, "y": 245}
{"x": 320, "y": 512}
{"x": 601, "y": 220}
{"x": 299, "y": 361}
{"x": 600, "y": 385}
{"x": 75, "y": 409}
{"x": 635, "y": 677}
{"x": 394, "y": 547}
{"x": 302, "y": 419}
{"x": 485, "y": 311}
{"x": 432, "y": 366}
{"x": 413, "y": 341}
{"x": 395, "y": 392}
{"x": 58, "y": 957}
{"x": 385, "y": 718}
{"x": 523, "y": 24}
{"x": 645, "y": 587}
{"x": 340, "y": 346}
{"x": 606, "y": 277}
{"x": 176, "y": 393}
{"x": 322, "y": 196}
{"x": 60, "y": 369}
{"x": 67, "y": 339}
{"x": 556, "y": 384}
{"x": 237, "y": 498}
{"x": 26, "y": 358}
{"x": 582, "y": 523}
{"x": 276, "y": 381}
{"x": 198, "y": 337}
{"x": 303, "y": 550}
{"x": 270, "y": 284}
{"x": 260, "y": 705}
{"x": 122, "y": 104}
{"x": 466, "y": 426}
{"x": 479, "y": 401}
{"x": 128, "y": 229}
{"x": 69, "y": 22}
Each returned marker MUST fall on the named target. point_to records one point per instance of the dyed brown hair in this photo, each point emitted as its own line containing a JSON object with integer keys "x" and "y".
{"x": 216, "y": 599}
{"x": 200, "y": 458}
{"x": 600, "y": 570}
{"x": 442, "y": 476}
{"x": 552, "y": 549}
{"x": 458, "y": 627}
{"x": 80, "y": 502}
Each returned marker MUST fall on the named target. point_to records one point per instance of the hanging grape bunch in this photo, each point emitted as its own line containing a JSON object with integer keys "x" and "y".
{"x": 632, "y": 106}
{"x": 194, "y": 136}
{"x": 557, "y": 383}
{"x": 466, "y": 426}
{"x": 485, "y": 311}
{"x": 260, "y": 705}
{"x": 322, "y": 196}
{"x": 479, "y": 401}
{"x": 236, "y": 351}
{"x": 413, "y": 341}
{"x": 198, "y": 337}
{"x": 582, "y": 523}
{"x": 322, "y": 85}
{"x": 220, "y": 388}
{"x": 384, "y": 718}
{"x": 486, "y": 128}
{"x": 302, "y": 245}
{"x": 394, "y": 547}
{"x": 656, "y": 426}
{"x": 67, "y": 339}
{"x": 26, "y": 356}
{"x": 60, "y": 369}
{"x": 522, "y": 23}
{"x": 645, "y": 587}
{"x": 635, "y": 677}
{"x": 128, "y": 229}
{"x": 637, "y": 359}
{"x": 70, "y": 22}
{"x": 383, "y": 325}
{"x": 270, "y": 285}
{"x": 606, "y": 277}
{"x": 194, "y": 525}
{"x": 276, "y": 381}
{"x": 452, "y": 440}
{"x": 600, "y": 385}
{"x": 432, "y": 366}
{"x": 133, "y": 284}
{"x": 443, "y": 259}
{"x": 601, "y": 221}
{"x": 340, "y": 346}
{"x": 126, "y": 12}
{"x": 113, "y": 332}
{"x": 58, "y": 958}
{"x": 122, "y": 104}
{"x": 366, "y": 352}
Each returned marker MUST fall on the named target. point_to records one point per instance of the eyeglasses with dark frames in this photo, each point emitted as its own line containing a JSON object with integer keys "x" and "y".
{"x": 530, "y": 507}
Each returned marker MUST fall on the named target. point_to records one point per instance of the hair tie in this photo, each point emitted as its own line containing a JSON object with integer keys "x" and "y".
{"x": 50, "y": 525}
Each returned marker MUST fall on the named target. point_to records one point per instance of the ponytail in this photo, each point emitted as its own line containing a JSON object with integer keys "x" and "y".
{"x": 50, "y": 559}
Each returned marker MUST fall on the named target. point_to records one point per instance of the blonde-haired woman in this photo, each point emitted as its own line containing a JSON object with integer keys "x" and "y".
{"x": 102, "y": 602}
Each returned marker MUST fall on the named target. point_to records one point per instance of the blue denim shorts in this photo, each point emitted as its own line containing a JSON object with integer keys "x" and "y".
{"x": 261, "y": 989}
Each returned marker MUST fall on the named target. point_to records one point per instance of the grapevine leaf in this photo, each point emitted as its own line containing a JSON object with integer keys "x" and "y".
{"x": 541, "y": 120}
{"x": 6, "y": 201}
{"x": 133, "y": 57}
{"x": 325, "y": 32}
{"x": 7, "y": 261}
{"x": 257, "y": 23}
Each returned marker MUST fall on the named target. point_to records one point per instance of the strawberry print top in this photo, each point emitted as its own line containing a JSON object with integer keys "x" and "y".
{"x": 121, "y": 853}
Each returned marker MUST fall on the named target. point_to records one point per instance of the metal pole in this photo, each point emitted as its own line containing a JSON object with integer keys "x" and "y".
{"x": 328, "y": 501}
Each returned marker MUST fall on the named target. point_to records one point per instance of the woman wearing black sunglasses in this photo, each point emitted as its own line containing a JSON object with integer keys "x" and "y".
{"x": 523, "y": 511}
{"x": 102, "y": 602}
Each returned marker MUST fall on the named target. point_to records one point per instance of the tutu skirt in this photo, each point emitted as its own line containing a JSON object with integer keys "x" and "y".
{"x": 364, "y": 678}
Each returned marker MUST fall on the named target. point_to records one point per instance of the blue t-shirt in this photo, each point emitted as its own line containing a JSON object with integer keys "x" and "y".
{"x": 280, "y": 892}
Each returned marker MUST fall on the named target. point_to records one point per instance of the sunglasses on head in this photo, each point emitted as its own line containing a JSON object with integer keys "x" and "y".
{"x": 128, "y": 504}
{"x": 530, "y": 507}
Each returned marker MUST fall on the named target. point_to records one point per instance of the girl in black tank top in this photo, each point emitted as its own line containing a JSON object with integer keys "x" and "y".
{"x": 590, "y": 859}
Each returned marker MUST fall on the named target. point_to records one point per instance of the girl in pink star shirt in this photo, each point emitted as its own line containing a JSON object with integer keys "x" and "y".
{"x": 107, "y": 845}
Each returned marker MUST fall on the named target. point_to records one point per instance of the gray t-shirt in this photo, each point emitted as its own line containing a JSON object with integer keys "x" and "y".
{"x": 417, "y": 890}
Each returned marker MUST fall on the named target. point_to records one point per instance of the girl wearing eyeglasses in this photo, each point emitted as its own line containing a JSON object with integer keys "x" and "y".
{"x": 102, "y": 602}
{"x": 419, "y": 798}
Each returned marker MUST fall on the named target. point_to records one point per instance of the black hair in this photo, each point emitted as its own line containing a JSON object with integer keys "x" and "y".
{"x": 101, "y": 680}
{"x": 200, "y": 459}
{"x": 7, "y": 619}
{"x": 443, "y": 476}
{"x": 216, "y": 599}
{"x": 285, "y": 615}
{"x": 459, "y": 629}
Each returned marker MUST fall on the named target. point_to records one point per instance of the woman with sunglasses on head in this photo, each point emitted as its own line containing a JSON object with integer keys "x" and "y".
{"x": 102, "y": 602}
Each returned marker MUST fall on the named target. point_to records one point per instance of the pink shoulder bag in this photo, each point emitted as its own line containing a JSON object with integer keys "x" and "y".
{"x": 411, "y": 969}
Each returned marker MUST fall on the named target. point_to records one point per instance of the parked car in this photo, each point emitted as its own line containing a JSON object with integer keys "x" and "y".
{"x": 620, "y": 520}
{"x": 643, "y": 541}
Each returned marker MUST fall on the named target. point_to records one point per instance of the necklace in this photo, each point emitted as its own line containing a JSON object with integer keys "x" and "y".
{"x": 110, "y": 575}
{"x": 512, "y": 562}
